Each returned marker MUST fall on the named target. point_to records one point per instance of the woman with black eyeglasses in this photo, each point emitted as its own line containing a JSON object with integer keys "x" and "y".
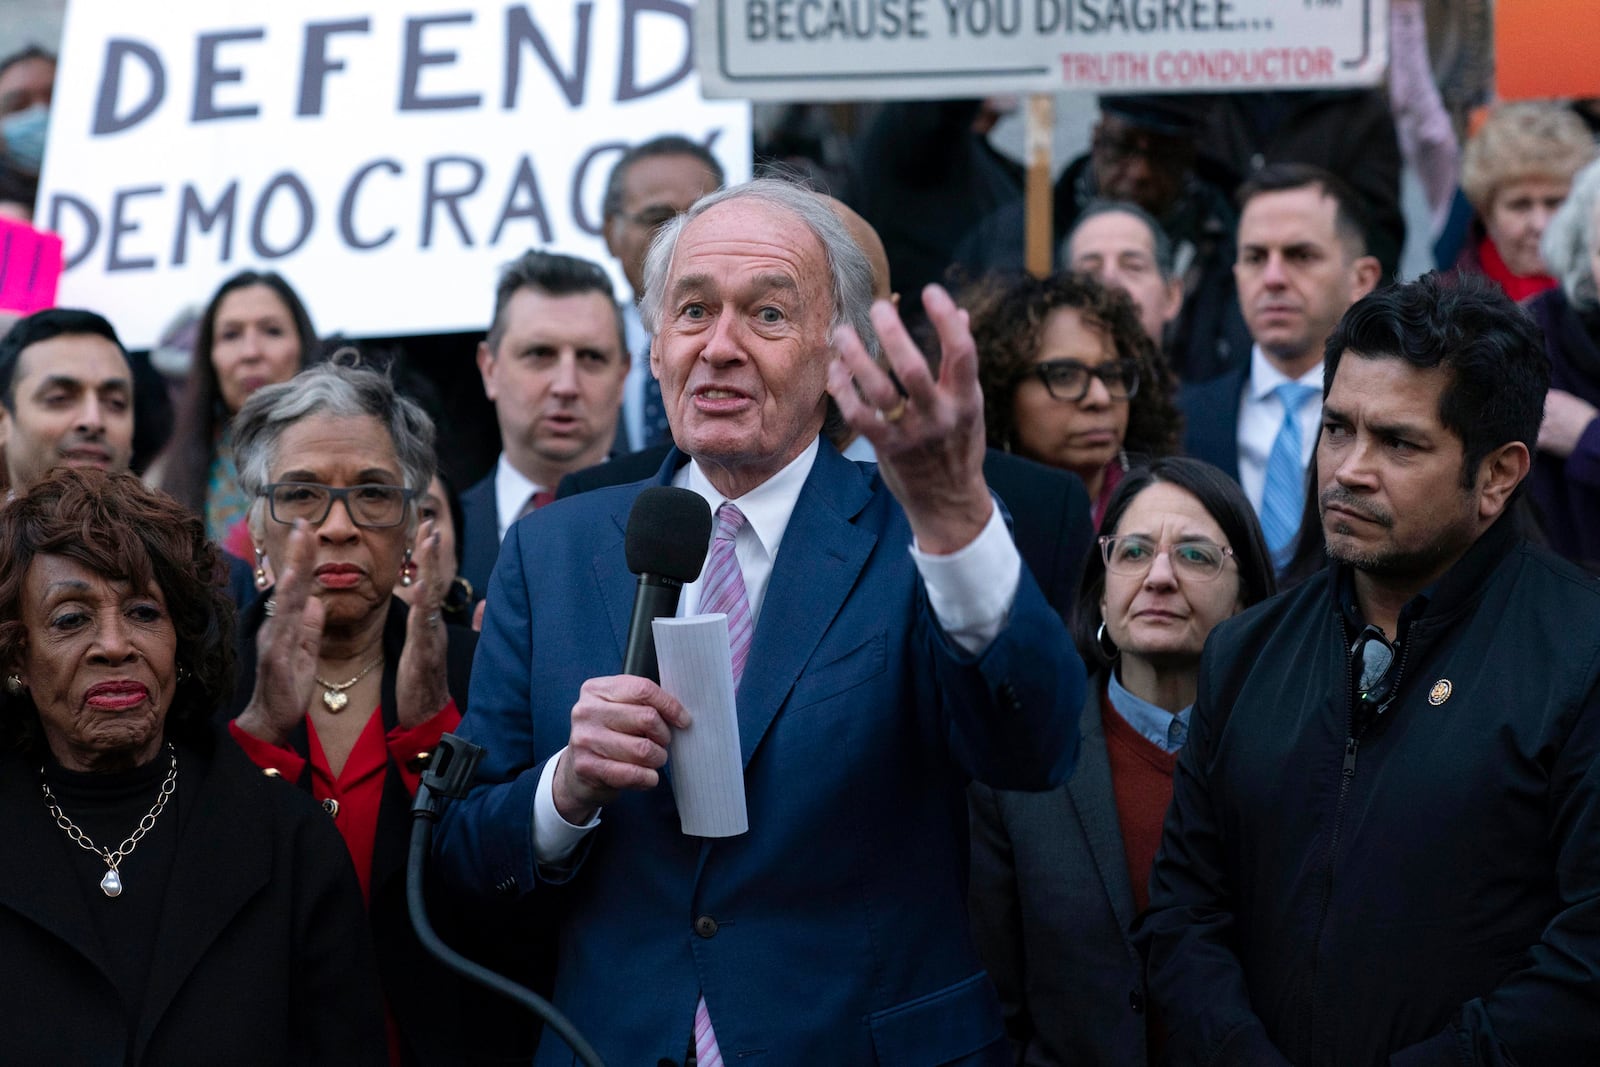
{"x": 1057, "y": 877}
{"x": 1070, "y": 378}
{"x": 344, "y": 688}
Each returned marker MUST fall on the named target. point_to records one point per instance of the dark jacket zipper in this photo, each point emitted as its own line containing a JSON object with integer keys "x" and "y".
{"x": 1351, "y": 746}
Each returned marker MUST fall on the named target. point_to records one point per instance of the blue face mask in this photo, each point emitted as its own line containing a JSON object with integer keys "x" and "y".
{"x": 24, "y": 135}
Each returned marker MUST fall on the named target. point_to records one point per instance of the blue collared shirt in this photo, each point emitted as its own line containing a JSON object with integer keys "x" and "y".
{"x": 1159, "y": 726}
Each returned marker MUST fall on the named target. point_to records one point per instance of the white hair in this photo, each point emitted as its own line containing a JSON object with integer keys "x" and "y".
{"x": 1570, "y": 237}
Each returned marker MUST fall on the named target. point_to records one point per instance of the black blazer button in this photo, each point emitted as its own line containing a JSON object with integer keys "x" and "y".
{"x": 664, "y": 1062}
{"x": 705, "y": 926}
{"x": 1136, "y": 1001}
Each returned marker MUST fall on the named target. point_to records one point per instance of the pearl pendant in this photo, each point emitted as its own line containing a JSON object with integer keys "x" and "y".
{"x": 334, "y": 699}
{"x": 111, "y": 884}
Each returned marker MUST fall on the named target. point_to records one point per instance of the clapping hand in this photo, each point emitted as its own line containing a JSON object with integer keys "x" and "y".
{"x": 287, "y": 646}
{"x": 421, "y": 686}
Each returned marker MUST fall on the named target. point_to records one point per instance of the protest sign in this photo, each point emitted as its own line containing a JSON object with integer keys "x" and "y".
{"x": 851, "y": 49}
{"x": 30, "y": 267}
{"x": 385, "y": 156}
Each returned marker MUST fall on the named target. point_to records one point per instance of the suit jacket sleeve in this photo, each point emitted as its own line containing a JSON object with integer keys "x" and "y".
{"x": 485, "y": 841}
{"x": 1193, "y": 975}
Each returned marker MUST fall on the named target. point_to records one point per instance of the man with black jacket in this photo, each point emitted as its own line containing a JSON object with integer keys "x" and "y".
{"x": 1384, "y": 842}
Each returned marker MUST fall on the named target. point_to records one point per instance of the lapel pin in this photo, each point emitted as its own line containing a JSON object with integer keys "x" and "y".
{"x": 1440, "y": 692}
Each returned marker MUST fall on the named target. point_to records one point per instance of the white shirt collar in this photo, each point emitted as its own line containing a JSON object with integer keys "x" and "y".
{"x": 768, "y": 506}
{"x": 511, "y": 491}
{"x": 1264, "y": 377}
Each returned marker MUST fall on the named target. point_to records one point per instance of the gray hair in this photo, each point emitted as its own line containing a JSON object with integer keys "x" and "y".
{"x": 849, "y": 272}
{"x": 1160, "y": 243}
{"x": 1570, "y": 237}
{"x": 339, "y": 387}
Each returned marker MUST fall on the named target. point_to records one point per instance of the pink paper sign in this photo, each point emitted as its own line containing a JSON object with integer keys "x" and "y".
{"x": 30, "y": 267}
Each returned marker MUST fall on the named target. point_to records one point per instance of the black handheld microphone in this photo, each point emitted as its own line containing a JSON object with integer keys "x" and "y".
{"x": 669, "y": 531}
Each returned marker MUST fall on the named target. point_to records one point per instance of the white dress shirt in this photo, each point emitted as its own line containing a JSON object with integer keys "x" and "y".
{"x": 1260, "y": 418}
{"x": 512, "y": 491}
{"x": 970, "y": 591}
{"x": 638, "y": 342}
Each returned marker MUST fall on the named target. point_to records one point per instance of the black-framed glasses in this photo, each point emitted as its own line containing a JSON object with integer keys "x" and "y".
{"x": 1068, "y": 379}
{"x": 1372, "y": 657}
{"x": 1131, "y": 555}
{"x": 373, "y": 507}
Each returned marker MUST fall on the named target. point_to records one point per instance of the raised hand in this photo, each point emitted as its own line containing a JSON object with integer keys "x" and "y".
{"x": 421, "y": 684}
{"x": 930, "y": 438}
{"x": 286, "y": 647}
{"x": 620, "y": 729}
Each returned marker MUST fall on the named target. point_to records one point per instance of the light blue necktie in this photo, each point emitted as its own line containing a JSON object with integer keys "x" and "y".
{"x": 1284, "y": 498}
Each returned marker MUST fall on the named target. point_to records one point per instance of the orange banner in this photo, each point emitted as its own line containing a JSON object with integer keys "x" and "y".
{"x": 1546, "y": 48}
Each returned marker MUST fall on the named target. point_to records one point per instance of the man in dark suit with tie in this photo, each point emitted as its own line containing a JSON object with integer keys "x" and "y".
{"x": 895, "y": 649}
{"x": 1302, "y": 262}
{"x": 553, "y": 365}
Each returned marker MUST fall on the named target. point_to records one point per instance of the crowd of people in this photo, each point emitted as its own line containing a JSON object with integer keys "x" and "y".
{"x": 1190, "y": 656}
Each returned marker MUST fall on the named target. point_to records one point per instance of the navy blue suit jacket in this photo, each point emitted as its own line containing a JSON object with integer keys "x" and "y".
{"x": 1211, "y": 420}
{"x": 835, "y": 930}
{"x": 480, "y": 538}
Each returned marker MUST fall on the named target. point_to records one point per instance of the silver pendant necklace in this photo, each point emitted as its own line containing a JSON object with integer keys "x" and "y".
{"x": 111, "y": 884}
{"x": 333, "y": 693}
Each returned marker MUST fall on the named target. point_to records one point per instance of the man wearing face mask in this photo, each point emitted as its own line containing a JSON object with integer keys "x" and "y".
{"x": 27, "y": 79}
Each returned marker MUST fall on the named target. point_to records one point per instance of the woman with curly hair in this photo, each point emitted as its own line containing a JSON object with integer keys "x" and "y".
{"x": 226, "y": 926}
{"x": 1070, "y": 378}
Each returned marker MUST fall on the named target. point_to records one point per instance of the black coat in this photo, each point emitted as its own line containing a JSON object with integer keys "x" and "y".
{"x": 442, "y": 1019}
{"x": 261, "y": 958}
{"x": 1049, "y": 509}
{"x": 1429, "y": 891}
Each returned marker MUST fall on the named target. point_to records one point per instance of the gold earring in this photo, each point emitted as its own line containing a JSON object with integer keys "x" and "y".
{"x": 407, "y": 568}
{"x": 261, "y": 570}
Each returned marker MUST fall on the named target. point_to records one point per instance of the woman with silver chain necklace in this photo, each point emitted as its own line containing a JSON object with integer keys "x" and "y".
{"x": 345, "y": 689}
{"x": 160, "y": 901}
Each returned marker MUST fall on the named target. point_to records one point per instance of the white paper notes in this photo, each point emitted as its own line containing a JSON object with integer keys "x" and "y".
{"x": 704, "y": 761}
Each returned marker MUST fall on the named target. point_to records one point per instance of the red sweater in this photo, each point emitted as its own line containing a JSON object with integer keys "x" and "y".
{"x": 1141, "y": 784}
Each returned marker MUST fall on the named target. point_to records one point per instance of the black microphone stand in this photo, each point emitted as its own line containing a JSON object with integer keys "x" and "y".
{"x": 449, "y": 776}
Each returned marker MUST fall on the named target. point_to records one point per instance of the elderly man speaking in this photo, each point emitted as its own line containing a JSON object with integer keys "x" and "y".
{"x": 899, "y": 649}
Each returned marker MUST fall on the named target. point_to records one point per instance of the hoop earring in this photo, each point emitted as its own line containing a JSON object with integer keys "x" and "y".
{"x": 1107, "y": 647}
{"x": 261, "y": 570}
{"x": 183, "y": 674}
{"x": 407, "y": 570}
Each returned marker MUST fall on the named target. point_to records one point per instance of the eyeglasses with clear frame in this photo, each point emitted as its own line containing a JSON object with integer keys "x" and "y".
{"x": 1068, "y": 379}
{"x": 372, "y": 507}
{"x": 1131, "y": 555}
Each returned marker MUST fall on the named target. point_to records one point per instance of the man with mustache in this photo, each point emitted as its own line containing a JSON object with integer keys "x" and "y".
{"x": 1383, "y": 840}
{"x": 1302, "y": 262}
{"x": 66, "y": 396}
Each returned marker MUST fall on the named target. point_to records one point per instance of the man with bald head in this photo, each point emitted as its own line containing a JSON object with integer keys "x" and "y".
{"x": 887, "y": 647}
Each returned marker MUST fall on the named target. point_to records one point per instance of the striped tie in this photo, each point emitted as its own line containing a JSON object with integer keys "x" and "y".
{"x": 1284, "y": 498}
{"x": 724, "y": 591}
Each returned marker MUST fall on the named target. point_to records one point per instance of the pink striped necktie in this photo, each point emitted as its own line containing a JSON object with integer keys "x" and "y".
{"x": 724, "y": 587}
{"x": 724, "y": 592}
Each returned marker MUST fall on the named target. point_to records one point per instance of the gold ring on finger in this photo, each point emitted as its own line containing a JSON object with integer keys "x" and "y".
{"x": 893, "y": 414}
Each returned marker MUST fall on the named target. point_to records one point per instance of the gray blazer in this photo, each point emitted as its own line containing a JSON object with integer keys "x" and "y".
{"x": 1051, "y": 906}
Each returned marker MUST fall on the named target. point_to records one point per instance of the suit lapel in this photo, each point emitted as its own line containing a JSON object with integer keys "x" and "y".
{"x": 1095, "y": 807}
{"x": 821, "y": 556}
{"x": 220, "y": 834}
{"x": 35, "y": 868}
